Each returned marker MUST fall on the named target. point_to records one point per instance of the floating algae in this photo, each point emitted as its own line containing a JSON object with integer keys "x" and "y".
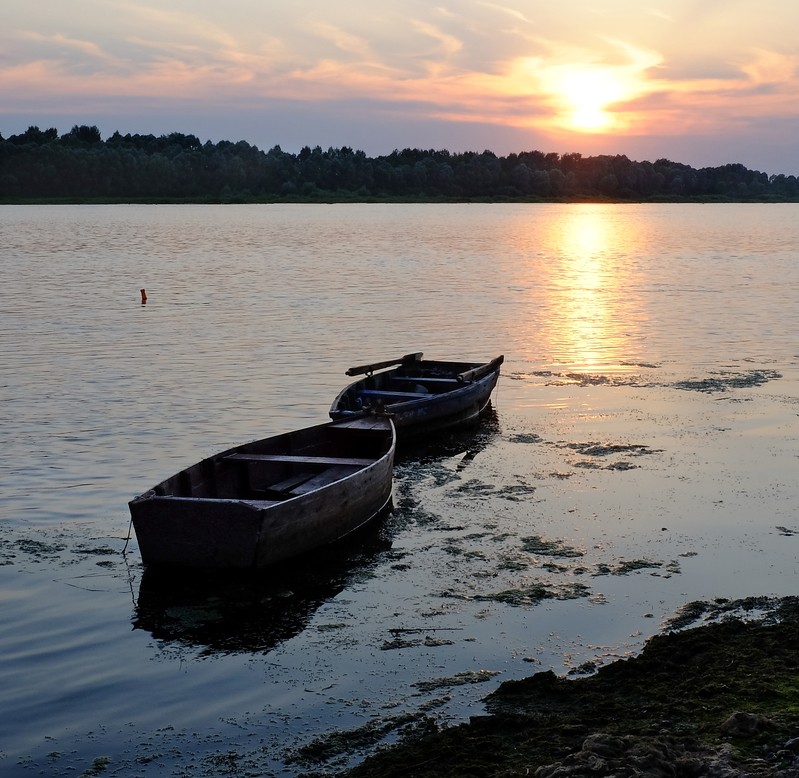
{"x": 534, "y": 544}
{"x": 459, "y": 679}
{"x": 721, "y": 382}
{"x": 625, "y": 568}
{"x": 594, "y": 449}
{"x": 535, "y": 593}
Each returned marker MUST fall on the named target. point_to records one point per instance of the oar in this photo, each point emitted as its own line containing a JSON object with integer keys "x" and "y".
{"x": 479, "y": 372}
{"x": 361, "y": 369}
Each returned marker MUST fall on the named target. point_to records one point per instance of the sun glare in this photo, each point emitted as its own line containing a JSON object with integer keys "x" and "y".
{"x": 587, "y": 94}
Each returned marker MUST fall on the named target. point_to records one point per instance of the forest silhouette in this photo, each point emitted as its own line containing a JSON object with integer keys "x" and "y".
{"x": 79, "y": 166}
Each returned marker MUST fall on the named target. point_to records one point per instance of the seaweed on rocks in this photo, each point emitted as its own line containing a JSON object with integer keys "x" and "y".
{"x": 720, "y": 699}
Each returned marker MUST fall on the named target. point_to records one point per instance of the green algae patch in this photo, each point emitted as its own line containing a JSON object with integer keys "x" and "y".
{"x": 528, "y": 595}
{"x": 722, "y": 381}
{"x": 534, "y": 544}
{"x": 99, "y": 766}
{"x": 535, "y": 593}
{"x": 718, "y": 699}
{"x": 454, "y": 549}
{"x": 627, "y": 567}
{"x": 82, "y": 548}
{"x": 512, "y": 563}
{"x": 767, "y": 609}
{"x": 598, "y": 451}
{"x": 38, "y": 549}
{"x": 526, "y": 437}
{"x": 459, "y": 679}
{"x": 591, "y": 379}
{"x": 343, "y": 742}
{"x": 593, "y": 449}
{"x": 621, "y": 466}
{"x": 477, "y": 488}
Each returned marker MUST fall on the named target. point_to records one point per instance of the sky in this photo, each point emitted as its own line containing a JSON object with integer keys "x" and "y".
{"x": 703, "y": 82}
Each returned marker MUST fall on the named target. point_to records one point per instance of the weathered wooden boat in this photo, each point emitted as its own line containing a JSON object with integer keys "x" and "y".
{"x": 422, "y": 396}
{"x": 269, "y": 500}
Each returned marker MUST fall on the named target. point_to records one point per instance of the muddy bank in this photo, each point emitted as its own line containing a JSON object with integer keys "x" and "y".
{"x": 720, "y": 699}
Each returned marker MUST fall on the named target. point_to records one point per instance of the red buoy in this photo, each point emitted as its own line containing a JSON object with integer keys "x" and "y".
{"x": 143, "y": 297}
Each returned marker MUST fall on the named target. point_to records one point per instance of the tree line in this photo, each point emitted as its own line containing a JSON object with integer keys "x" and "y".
{"x": 80, "y": 165}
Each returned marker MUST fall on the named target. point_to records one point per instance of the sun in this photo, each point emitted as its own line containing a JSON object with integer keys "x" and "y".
{"x": 583, "y": 91}
{"x": 586, "y": 94}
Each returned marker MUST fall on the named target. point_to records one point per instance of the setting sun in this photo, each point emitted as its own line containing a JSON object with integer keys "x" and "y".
{"x": 586, "y": 96}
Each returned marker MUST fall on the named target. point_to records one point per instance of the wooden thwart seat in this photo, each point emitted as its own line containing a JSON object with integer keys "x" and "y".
{"x": 391, "y": 394}
{"x": 302, "y": 460}
{"x": 303, "y": 483}
{"x": 292, "y": 482}
{"x": 423, "y": 380}
{"x": 325, "y": 477}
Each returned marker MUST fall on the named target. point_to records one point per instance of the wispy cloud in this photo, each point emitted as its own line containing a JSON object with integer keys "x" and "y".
{"x": 70, "y": 46}
{"x": 346, "y": 42}
{"x": 633, "y": 69}
{"x": 513, "y": 13}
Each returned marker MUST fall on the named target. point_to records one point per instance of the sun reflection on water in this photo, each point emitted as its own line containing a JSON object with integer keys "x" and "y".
{"x": 589, "y": 311}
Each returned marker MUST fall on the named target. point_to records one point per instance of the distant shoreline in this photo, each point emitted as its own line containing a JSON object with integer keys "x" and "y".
{"x": 80, "y": 166}
{"x": 336, "y": 200}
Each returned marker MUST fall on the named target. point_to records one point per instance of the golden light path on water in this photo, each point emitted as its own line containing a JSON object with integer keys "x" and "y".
{"x": 586, "y": 308}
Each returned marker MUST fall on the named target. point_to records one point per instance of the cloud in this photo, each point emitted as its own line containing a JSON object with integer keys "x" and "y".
{"x": 448, "y": 44}
{"x": 66, "y": 44}
{"x": 166, "y": 25}
{"x": 771, "y": 67}
{"x": 344, "y": 41}
{"x": 556, "y": 68}
{"x": 513, "y": 13}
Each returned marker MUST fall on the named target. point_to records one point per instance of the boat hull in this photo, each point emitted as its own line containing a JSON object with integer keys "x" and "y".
{"x": 446, "y": 402}
{"x": 230, "y": 512}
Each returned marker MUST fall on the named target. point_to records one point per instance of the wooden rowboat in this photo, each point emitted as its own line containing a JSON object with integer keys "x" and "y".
{"x": 422, "y": 396}
{"x": 258, "y": 504}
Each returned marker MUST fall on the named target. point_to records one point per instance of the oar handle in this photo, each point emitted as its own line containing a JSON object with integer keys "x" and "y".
{"x": 479, "y": 372}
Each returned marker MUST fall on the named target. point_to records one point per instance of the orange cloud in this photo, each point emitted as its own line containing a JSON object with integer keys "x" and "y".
{"x": 452, "y": 65}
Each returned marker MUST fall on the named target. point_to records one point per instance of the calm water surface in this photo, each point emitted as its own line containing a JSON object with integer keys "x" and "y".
{"x": 641, "y": 454}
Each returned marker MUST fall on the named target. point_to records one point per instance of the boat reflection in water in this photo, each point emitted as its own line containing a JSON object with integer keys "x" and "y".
{"x": 465, "y": 441}
{"x": 250, "y": 611}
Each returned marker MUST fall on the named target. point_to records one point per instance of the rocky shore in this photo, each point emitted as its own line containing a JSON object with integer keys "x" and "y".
{"x": 720, "y": 699}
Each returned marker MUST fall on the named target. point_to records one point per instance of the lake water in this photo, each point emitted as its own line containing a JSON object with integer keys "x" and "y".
{"x": 641, "y": 454}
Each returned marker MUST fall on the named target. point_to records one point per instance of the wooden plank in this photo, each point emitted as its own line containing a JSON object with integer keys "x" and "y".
{"x": 290, "y": 483}
{"x": 323, "y": 479}
{"x": 361, "y": 369}
{"x": 303, "y": 460}
{"x": 361, "y": 421}
{"x": 424, "y": 379}
{"x": 385, "y": 393}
